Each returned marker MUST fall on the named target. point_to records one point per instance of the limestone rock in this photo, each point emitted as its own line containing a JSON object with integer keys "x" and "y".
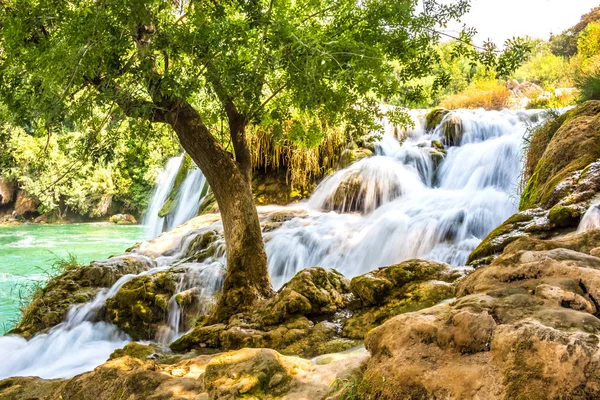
{"x": 313, "y": 291}
{"x": 563, "y": 147}
{"x": 123, "y": 219}
{"x": 523, "y": 327}
{"x": 409, "y": 286}
{"x": 140, "y": 307}
{"x": 79, "y": 284}
{"x": 258, "y": 374}
{"x": 24, "y": 204}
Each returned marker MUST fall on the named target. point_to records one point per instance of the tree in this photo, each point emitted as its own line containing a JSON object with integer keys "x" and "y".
{"x": 191, "y": 64}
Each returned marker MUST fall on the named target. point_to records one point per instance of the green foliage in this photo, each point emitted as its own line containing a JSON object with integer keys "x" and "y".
{"x": 55, "y": 172}
{"x": 588, "y": 44}
{"x": 589, "y": 84}
{"x": 565, "y": 44}
{"x": 323, "y": 61}
{"x": 547, "y": 70}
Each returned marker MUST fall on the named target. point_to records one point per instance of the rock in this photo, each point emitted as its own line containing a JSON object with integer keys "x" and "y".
{"x": 24, "y": 204}
{"x": 78, "y": 284}
{"x": 350, "y": 156}
{"x": 313, "y": 291}
{"x": 452, "y": 130}
{"x": 123, "y": 219}
{"x": 7, "y": 191}
{"x": 562, "y": 148}
{"x": 565, "y": 216}
{"x": 259, "y": 374}
{"x": 434, "y": 118}
{"x": 387, "y": 292}
{"x": 253, "y": 373}
{"x": 517, "y": 328}
{"x": 140, "y": 307}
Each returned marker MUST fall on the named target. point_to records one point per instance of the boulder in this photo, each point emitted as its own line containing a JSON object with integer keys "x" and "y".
{"x": 250, "y": 374}
{"x": 123, "y": 219}
{"x": 524, "y": 327}
{"x": 558, "y": 155}
{"x": 434, "y": 118}
{"x": 409, "y": 286}
{"x": 311, "y": 292}
{"x": 7, "y": 191}
{"x": 78, "y": 284}
{"x": 141, "y": 306}
{"x": 24, "y": 204}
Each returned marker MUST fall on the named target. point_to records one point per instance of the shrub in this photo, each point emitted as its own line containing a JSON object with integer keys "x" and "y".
{"x": 547, "y": 70}
{"x": 588, "y": 83}
{"x": 488, "y": 94}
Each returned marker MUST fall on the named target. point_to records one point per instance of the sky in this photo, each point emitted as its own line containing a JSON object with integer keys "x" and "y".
{"x": 504, "y": 19}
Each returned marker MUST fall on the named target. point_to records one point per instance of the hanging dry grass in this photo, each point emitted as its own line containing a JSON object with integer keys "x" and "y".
{"x": 302, "y": 165}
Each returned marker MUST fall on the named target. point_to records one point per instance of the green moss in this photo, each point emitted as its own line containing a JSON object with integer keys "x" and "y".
{"x": 565, "y": 145}
{"x": 565, "y": 216}
{"x": 135, "y": 350}
{"x": 434, "y": 118}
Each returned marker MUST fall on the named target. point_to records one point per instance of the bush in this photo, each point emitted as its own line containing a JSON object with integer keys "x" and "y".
{"x": 488, "y": 94}
{"x": 547, "y": 70}
{"x": 589, "y": 84}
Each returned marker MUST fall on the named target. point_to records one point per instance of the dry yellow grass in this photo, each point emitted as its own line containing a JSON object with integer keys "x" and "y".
{"x": 490, "y": 95}
{"x": 302, "y": 165}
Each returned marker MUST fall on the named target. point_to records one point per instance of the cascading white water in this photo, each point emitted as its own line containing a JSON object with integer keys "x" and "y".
{"x": 164, "y": 183}
{"x": 409, "y": 203}
{"x": 186, "y": 203}
{"x": 590, "y": 220}
{"x": 443, "y": 214}
{"x": 188, "y": 198}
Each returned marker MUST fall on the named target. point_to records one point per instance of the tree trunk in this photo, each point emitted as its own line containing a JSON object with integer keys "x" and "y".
{"x": 247, "y": 278}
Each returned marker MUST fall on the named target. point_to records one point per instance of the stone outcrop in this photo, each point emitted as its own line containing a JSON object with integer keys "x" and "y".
{"x": 140, "y": 307}
{"x": 563, "y": 171}
{"x": 78, "y": 284}
{"x": 387, "y": 292}
{"x": 140, "y": 374}
{"x": 123, "y": 219}
{"x": 319, "y": 311}
{"x": 524, "y": 327}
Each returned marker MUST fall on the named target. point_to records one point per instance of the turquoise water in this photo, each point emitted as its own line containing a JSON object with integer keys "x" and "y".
{"x": 28, "y": 252}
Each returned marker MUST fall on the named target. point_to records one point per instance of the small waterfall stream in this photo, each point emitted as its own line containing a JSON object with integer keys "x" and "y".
{"x": 187, "y": 199}
{"x": 409, "y": 200}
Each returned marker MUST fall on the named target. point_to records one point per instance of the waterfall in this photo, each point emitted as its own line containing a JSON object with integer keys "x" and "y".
{"x": 164, "y": 183}
{"x": 187, "y": 199}
{"x": 412, "y": 199}
{"x": 409, "y": 201}
{"x": 590, "y": 220}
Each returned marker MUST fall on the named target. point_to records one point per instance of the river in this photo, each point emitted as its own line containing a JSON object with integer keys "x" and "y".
{"x": 29, "y": 252}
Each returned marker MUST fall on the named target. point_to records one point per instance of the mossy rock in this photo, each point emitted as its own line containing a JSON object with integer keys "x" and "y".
{"x": 434, "y": 118}
{"x": 249, "y": 374}
{"x": 135, "y": 350}
{"x": 312, "y": 291}
{"x": 140, "y": 307}
{"x": 350, "y": 156}
{"x": 495, "y": 242}
{"x": 562, "y": 147}
{"x": 79, "y": 284}
{"x": 387, "y": 292}
{"x": 565, "y": 216}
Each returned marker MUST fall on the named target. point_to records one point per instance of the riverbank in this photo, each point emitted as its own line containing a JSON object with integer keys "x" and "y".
{"x": 30, "y": 254}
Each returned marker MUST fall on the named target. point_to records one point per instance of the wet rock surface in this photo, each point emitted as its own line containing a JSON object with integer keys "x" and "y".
{"x": 259, "y": 374}
{"x": 523, "y": 327}
{"x": 319, "y": 311}
{"x": 79, "y": 284}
